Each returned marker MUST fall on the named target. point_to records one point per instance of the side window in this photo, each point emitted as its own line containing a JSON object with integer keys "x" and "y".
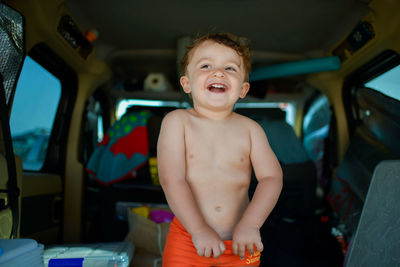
{"x": 375, "y": 101}
{"x": 387, "y": 83}
{"x": 34, "y": 108}
{"x": 375, "y": 107}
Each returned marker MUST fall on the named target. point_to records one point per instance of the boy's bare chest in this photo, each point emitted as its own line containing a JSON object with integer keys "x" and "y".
{"x": 213, "y": 143}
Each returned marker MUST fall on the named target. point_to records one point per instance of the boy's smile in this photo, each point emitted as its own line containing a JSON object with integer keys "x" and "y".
{"x": 217, "y": 87}
{"x": 215, "y": 77}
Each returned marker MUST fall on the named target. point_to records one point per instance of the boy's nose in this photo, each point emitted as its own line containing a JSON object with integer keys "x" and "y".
{"x": 219, "y": 73}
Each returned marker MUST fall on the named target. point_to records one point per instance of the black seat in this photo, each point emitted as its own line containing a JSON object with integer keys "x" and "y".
{"x": 377, "y": 238}
{"x": 349, "y": 188}
{"x": 297, "y": 199}
{"x": 292, "y": 222}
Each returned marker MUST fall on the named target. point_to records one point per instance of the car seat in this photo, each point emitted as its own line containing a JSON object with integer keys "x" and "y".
{"x": 297, "y": 199}
{"x": 377, "y": 238}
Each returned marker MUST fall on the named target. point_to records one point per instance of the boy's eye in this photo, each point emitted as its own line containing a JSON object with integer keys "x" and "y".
{"x": 205, "y": 66}
{"x": 230, "y": 69}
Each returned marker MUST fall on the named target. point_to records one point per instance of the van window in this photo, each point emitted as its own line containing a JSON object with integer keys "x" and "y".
{"x": 387, "y": 83}
{"x": 100, "y": 130}
{"x": 34, "y": 108}
{"x": 125, "y": 104}
{"x": 288, "y": 108}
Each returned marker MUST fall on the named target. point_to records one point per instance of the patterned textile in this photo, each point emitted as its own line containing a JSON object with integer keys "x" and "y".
{"x": 123, "y": 150}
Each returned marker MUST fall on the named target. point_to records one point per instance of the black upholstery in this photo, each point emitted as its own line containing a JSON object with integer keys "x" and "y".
{"x": 377, "y": 239}
{"x": 289, "y": 234}
{"x": 297, "y": 199}
{"x": 349, "y": 188}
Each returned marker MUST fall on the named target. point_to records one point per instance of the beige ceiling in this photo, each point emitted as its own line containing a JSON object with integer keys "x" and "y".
{"x": 137, "y": 37}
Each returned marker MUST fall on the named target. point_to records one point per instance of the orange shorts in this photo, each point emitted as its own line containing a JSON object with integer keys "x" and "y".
{"x": 179, "y": 251}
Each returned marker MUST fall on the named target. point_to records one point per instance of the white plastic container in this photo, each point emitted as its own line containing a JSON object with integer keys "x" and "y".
{"x": 20, "y": 252}
{"x": 116, "y": 254}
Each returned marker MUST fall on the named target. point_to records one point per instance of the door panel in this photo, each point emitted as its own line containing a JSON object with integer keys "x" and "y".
{"x": 42, "y": 203}
{"x": 34, "y": 184}
{"x": 5, "y": 213}
{"x": 10, "y": 175}
{"x": 11, "y": 54}
{"x": 34, "y": 197}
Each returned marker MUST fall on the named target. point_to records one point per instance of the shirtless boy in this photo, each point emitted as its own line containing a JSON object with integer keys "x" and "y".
{"x": 205, "y": 158}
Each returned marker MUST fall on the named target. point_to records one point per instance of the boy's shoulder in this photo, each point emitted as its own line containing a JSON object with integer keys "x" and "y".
{"x": 177, "y": 115}
{"x": 246, "y": 120}
{"x": 250, "y": 124}
{"x": 176, "y": 112}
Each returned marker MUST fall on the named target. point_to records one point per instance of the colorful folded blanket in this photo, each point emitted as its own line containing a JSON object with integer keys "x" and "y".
{"x": 123, "y": 150}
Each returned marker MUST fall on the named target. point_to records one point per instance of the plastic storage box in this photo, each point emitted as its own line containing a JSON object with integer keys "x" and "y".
{"x": 20, "y": 252}
{"x": 116, "y": 254}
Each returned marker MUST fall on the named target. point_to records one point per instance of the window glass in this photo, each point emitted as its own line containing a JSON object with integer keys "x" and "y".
{"x": 34, "y": 108}
{"x": 124, "y": 104}
{"x": 100, "y": 130}
{"x": 387, "y": 83}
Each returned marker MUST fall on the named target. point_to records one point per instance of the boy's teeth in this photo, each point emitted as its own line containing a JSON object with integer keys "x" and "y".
{"x": 217, "y": 88}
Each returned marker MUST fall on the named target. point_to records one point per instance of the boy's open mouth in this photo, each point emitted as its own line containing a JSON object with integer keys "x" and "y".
{"x": 217, "y": 88}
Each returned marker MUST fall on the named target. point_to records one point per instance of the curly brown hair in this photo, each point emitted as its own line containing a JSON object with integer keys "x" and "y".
{"x": 240, "y": 44}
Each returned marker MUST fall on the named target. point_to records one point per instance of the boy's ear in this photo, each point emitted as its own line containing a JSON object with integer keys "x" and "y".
{"x": 184, "y": 80}
{"x": 245, "y": 89}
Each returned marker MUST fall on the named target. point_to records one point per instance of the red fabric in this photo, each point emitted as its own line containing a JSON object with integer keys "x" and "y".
{"x": 105, "y": 140}
{"x": 135, "y": 142}
{"x": 179, "y": 251}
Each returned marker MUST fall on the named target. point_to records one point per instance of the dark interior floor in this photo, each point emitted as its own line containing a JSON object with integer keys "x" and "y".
{"x": 301, "y": 243}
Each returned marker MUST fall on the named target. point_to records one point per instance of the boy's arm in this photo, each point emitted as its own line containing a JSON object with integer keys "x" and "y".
{"x": 171, "y": 170}
{"x": 269, "y": 175}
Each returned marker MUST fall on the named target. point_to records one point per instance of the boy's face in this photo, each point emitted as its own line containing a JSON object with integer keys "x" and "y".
{"x": 215, "y": 76}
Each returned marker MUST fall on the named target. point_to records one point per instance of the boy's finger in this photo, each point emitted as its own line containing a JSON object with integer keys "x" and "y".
{"x": 235, "y": 248}
{"x": 200, "y": 252}
{"x": 207, "y": 252}
{"x": 259, "y": 246}
{"x": 242, "y": 250}
{"x": 216, "y": 252}
{"x": 250, "y": 248}
{"x": 222, "y": 247}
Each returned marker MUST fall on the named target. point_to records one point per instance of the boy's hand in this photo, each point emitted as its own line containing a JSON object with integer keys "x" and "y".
{"x": 207, "y": 242}
{"x": 245, "y": 236}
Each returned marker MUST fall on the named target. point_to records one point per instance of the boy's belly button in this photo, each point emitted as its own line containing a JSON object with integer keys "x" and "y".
{"x": 218, "y": 208}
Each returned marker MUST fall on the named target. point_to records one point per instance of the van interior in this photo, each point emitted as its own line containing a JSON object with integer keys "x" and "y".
{"x": 86, "y": 84}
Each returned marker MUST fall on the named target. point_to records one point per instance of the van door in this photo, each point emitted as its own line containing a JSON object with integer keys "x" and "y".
{"x": 10, "y": 178}
{"x": 11, "y": 54}
{"x": 39, "y": 113}
{"x": 372, "y": 100}
{"x": 39, "y": 127}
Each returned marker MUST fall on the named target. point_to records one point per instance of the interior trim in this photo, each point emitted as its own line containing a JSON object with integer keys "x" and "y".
{"x": 35, "y": 184}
